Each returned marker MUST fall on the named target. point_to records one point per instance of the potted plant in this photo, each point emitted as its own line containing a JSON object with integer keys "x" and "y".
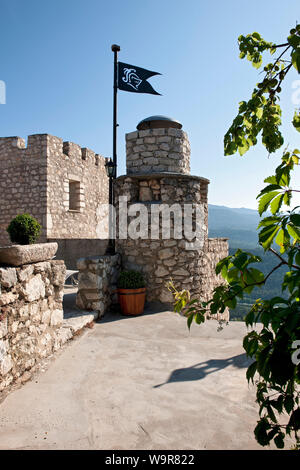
{"x": 23, "y": 231}
{"x": 131, "y": 292}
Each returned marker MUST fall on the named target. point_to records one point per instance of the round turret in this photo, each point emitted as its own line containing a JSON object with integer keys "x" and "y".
{"x": 156, "y": 122}
{"x": 158, "y": 146}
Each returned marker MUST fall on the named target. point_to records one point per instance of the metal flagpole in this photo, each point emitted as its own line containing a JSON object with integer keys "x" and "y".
{"x": 111, "y": 245}
{"x": 115, "y": 48}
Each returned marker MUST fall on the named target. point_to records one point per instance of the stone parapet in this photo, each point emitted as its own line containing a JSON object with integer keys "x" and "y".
{"x": 97, "y": 282}
{"x": 215, "y": 250}
{"x": 31, "y": 316}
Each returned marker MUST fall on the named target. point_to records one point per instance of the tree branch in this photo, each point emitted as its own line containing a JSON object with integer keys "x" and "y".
{"x": 281, "y": 45}
{"x": 282, "y": 259}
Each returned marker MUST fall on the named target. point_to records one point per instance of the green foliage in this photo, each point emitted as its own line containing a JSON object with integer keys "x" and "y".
{"x": 274, "y": 371}
{"x": 131, "y": 280}
{"x": 24, "y": 229}
{"x": 262, "y": 113}
{"x": 267, "y": 290}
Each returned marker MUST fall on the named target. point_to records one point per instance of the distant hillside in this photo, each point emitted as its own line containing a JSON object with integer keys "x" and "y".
{"x": 239, "y": 225}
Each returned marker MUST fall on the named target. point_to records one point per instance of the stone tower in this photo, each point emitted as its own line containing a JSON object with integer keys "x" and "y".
{"x": 158, "y": 181}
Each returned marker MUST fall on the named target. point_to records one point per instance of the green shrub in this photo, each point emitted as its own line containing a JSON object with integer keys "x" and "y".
{"x": 24, "y": 229}
{"x": 131, "y": 280}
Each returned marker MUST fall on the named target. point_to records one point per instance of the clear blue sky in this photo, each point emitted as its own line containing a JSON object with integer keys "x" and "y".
{"x": 56, "y": 62}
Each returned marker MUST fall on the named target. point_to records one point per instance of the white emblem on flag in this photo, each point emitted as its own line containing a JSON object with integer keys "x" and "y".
{"x": 130, "y": 77}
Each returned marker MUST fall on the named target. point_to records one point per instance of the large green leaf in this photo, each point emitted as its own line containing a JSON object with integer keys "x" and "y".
{"x": 295, "y": 219}
{"x": 296, "y": 60}
{"x": 276, "y": 204}
{"x": 265, "y": 200}
{"x": 268, "y": 221}
{"x": 296, "y": 121}
{"x": 267, "y": 235}
{"x": 294, "y": 232}
{"x": 267, "y": 189}
{"x": 239, "y": 261}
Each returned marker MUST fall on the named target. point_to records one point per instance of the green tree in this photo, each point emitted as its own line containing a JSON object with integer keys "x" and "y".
{"x": 275, "y": 369}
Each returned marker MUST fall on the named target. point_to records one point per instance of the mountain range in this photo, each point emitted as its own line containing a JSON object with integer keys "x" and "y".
{"x": 239, "y": 225}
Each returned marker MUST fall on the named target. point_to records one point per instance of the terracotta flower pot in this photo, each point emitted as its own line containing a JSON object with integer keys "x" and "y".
{"x": 132, "y": 301}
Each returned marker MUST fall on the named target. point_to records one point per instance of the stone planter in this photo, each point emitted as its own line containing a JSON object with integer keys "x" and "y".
{"x": 17, "y": 255}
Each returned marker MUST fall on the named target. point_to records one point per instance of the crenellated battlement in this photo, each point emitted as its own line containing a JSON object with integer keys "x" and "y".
{"x": 35, "y": 143}
{"x": 11, "y": 145}
{"x": 58, "y": 182}
{"x": 73, "y": 150}
{"x": 46, "y": 145}
{"x": 12, "y": 142}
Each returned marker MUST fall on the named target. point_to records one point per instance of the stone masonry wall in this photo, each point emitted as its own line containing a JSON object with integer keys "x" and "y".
{"x": 23, "y": 181}
{"x": 81, "y": 172}
{"x": 59, "y": 183}
{"x": 157, "y": 150}
{"x": 31, "y": 317}
{"x": 215, "y": 250}
{"x": 97, "y": 282}
{"x": 71, "y": 249}
{"x": 165, "y": 257}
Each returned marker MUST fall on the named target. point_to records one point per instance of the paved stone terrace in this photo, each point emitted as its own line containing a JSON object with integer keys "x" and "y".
{"x": 138, "y": 383}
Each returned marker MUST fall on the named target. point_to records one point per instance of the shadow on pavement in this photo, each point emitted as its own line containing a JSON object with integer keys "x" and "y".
{"x": 201, "y": 370}
{"x": 115, "y": 313}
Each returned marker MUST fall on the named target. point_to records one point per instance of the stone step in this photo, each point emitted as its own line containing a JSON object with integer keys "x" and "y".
{"x": 75, "y": 321}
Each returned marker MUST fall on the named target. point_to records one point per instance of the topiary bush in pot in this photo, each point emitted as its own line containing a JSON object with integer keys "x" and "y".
{"x": 24, "y": 229}
{"x": 131, "y": 280}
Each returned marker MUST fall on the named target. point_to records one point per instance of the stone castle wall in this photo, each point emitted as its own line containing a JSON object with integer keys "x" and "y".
{"x": 157, "y": 150}
{"x": 59, "y": 183}
{"x": 31, "y": 317}
{"x": 23, "y": 181}
{"x": 70, "y": 166}
{"x": 164, "y": 258}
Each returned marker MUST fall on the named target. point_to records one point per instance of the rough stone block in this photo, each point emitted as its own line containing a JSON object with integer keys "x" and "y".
{"x": 8, "y": 298}
{"x": 17, "y": 255}
{"x": 145, "y": 133}
{"x": 90, "y": 280}
{"x": 56, "y": 317}
{"x": 8, "y": 277}
{"x": 6, "y": 364}
{"x": 132, "y": 135}
{"x": 25, "y": 272}
{"x": 165, "y": 253}
{"x": 34, "y": 289}
{"x": 145, "y": 194}
{"x": 3, "y": 327}
{"x": 161, "y": 271}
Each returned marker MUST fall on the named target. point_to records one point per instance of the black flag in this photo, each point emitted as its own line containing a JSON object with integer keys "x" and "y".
{"x": 134, "y": 79}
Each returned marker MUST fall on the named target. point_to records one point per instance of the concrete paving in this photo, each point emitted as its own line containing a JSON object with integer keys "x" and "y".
{"x": 138, "y": 383}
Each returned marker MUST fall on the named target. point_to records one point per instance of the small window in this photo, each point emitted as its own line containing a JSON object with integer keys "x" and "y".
{"x": 74, "y": 195}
